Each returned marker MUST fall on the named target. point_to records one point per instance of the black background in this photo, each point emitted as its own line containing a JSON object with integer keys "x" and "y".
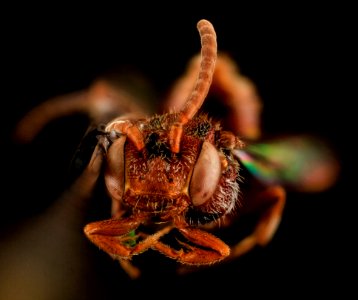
{"x": 300, "y": 59}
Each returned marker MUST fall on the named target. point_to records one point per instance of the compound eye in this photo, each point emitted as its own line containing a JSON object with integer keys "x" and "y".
{"x": 114, "y": 176}
{"x": 206, "y": 175}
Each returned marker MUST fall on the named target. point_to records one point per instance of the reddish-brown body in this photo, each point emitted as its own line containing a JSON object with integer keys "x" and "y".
{"x": 177, "y": 170}
{"x": 157, "y": 181}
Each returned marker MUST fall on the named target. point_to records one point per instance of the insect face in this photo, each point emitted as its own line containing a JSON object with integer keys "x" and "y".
{"x": 178, "y": 174}
{"x": 200, "y": 181}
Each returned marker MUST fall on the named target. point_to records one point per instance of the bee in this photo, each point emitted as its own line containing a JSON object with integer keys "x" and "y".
{"x": 178, "y": 177}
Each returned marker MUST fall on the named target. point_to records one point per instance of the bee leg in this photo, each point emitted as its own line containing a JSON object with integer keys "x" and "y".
{"x": 104, "y": 235}
{"x": 81, "y": 189}
{"x": 275, "y": 198}
{"x": 211, "y": 248}
{"x": 132, "y": 271}
{"x": 114, "y": 236}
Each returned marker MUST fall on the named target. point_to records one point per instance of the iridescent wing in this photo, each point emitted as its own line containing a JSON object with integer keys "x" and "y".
{"x": 303, "y": 163}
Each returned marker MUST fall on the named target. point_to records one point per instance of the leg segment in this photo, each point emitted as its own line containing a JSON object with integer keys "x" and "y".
{"x": 112, "y": 236}
{"x": 263, "y": 231}
{"x": 132, "y": 271}
{"x": 211, "y": 248}
{"x": 267, "y": 224}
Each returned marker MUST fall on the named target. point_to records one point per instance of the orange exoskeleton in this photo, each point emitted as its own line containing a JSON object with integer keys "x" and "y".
{"x": 180, "y": 172}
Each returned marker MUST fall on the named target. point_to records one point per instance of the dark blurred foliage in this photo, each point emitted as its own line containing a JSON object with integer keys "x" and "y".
{"x": 300, "y": 58}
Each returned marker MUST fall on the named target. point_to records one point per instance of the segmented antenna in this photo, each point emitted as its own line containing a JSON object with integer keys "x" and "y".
{"x": 201, "y": 89}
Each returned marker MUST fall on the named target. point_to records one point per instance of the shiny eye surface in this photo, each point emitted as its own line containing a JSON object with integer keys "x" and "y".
{"x": 206, "y": 175}
{"x": 115, "y": 168}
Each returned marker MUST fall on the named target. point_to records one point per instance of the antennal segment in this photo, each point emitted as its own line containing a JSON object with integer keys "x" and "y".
{"x": 202, "y": 85}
